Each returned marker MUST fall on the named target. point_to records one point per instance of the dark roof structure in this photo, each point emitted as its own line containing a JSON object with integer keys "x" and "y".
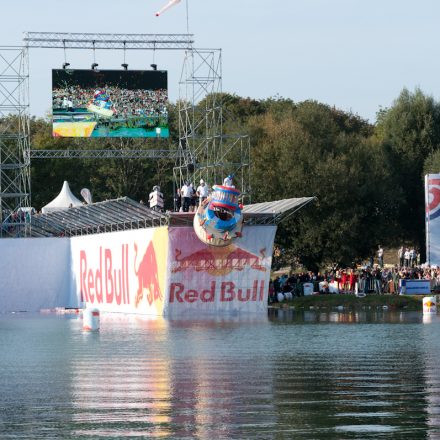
{"x": 126, "y": 214}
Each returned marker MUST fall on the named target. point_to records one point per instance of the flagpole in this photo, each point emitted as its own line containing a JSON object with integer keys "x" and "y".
{"x": 187, "y": 16}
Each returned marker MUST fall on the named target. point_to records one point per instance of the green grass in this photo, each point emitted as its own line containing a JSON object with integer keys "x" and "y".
{"x": 352, "y": 302}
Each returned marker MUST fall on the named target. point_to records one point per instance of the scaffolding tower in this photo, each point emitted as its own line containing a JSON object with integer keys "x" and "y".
{"x": 206, "y": 152}
{"x": 15, "y": 186}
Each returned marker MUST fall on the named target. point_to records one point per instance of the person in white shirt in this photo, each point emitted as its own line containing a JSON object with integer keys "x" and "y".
{"x": 202, "y": 191}
{"x": 228, "y": 181}
{"x": 380, "y": 256}
{"x": 186, "y": 192}
{"x": 156, "y": 199}
{"x": 406, "y": 257}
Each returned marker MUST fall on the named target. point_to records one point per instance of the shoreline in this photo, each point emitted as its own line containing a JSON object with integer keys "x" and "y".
{"x": 352, "y": 302}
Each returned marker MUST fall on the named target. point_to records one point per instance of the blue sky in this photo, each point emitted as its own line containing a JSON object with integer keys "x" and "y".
{"x": 355, "y": 55}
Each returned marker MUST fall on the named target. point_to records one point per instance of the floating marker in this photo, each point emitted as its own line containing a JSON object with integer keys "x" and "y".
{"x": 91, "y": 320}
{"x": 429, "y": 305}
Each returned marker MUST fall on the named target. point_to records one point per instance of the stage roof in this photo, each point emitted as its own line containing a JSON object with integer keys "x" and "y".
{"x": 111, "y": 215}
{"x": 274, "y": 212}
{"x": 125, "y": 214}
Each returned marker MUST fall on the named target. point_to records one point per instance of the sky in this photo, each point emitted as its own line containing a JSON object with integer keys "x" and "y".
{"x": 352, "y": 54}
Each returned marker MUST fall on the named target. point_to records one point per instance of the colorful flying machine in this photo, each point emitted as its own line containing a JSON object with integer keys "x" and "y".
{"x": 101, "y": 105}
{"x": 219, "y": 219}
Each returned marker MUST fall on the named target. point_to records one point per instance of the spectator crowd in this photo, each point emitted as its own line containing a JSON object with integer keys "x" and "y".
{"x": 370, "y": 278}
{"x": 125, "y": 102}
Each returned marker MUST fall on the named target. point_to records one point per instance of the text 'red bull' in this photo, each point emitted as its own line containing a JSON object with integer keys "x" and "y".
{"x": 106, "y": 284}
{"x": 226, "y": 292}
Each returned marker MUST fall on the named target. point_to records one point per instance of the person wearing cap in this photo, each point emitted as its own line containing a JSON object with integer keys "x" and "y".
{"x": 228, "y": 181}
{"x": 156, "y": 199}
{"x": 186, "y": 192}
{"x": 202, "y": 191}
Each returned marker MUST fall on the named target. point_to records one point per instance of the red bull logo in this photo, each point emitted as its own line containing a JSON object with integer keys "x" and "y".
{"x": 219, "y": 261}
{"x": 108, "y": 283}
{"x": 225, "y": 291}
{"x": 433, "y": 206}
{"x": 147, "y": 276}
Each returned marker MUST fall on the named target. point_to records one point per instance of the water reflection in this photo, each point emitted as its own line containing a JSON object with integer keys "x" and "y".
{"x": 371, "y": 315}
{"x": 122, "y": 386}
{"x": 295, "y": 374}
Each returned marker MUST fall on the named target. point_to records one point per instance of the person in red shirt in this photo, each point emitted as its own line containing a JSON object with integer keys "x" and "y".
{"x": 344, "y": 280}
{"x": 353, "y": 279}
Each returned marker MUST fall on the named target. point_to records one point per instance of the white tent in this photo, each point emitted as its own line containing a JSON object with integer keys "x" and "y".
{"x": 64, "y": 200}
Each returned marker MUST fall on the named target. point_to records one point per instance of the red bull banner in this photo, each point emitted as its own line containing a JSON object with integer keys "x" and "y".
{"x": 121, "y": 271}
{"x": 213, "y": 279}
{"x": 160, "y": 271}
{"x": 432, "y": 218}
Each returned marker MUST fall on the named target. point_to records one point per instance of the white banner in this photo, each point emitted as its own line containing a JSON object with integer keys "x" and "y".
{"x": 205, "y": 278}
{"x": 121, "y": 271}
{"x": 34, "y": 274}
{"x": 432, "y": 218}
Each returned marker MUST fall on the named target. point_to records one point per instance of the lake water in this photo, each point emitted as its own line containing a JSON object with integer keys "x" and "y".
{"x": 291, "y": 375}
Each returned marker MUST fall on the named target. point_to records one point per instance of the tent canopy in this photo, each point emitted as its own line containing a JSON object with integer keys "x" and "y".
{"x": 64, "y": 200}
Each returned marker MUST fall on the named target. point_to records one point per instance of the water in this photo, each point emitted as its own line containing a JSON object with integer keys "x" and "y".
{"x": 293, "y": 375}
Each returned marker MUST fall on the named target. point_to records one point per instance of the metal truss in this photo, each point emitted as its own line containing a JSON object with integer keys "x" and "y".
{"x": 68, "y": 40}
{"x": 205, "y": 152}
{"x": 14, "y": 142}
{"x": 104, "y": 154}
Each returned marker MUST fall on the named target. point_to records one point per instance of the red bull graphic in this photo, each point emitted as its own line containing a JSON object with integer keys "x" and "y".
{"x": 432, "y": 204}
{"x": 147, "y": 276}
{"x": 219, "y": 279}
{"x": 218, "y": 261}
{"x": 162, "y": 270}
{"x": 225, "y": 291}
{"x": 106, "y": 283}
{"x": 433, "y": 199}
{"x": 122, "y": 271}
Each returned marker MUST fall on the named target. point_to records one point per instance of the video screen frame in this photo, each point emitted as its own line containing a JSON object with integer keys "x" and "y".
{"x": 110, "y": 103}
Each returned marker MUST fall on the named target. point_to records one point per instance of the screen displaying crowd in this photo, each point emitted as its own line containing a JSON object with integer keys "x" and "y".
{"x": 123, "y": 102}
{"x": 110, "y": 103}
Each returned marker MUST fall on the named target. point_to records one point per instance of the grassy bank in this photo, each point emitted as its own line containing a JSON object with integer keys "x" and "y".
{"x": 394, "y": 302}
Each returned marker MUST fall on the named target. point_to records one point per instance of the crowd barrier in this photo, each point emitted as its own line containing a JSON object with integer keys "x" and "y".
{"x": 371, "y": 285}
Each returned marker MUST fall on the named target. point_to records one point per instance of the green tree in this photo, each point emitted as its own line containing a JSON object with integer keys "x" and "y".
{"x": 317, "y": 151}
{"x": 409, "y": 133}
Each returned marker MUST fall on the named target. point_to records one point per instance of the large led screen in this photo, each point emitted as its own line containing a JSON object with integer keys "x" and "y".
{"x": 110, "y": 103}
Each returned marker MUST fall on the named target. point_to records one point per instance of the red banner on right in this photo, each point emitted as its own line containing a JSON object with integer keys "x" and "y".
{"x": 209, "y": 279}
{"x": 432, "y": 218}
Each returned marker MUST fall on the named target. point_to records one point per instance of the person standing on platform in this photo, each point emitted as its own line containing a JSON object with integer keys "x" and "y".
{"x": 380, "y": 256}
{"x": 156, "y": 199}
{"x": 202, "y": 191}
{"x": 228, "y": 181}
{"x": 177, "y": 200}
{"x": 186, "y": 192}
{"x": 193, "y": 199}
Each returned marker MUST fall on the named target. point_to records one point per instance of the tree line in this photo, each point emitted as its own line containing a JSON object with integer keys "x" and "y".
{"x": 368, "y": 178}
